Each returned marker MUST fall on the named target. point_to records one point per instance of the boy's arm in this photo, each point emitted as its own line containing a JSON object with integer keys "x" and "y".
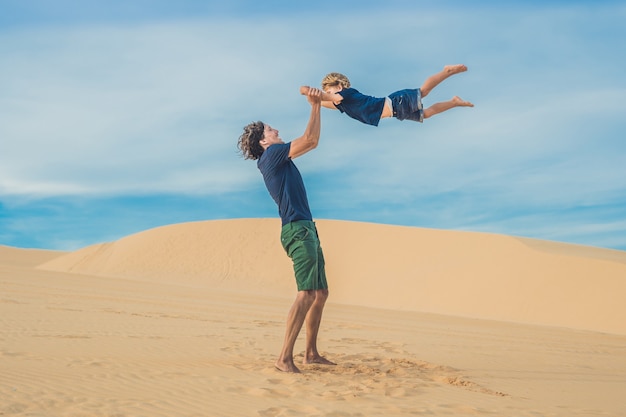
{"x": 329, "y": 105}
{"x": 309, "y": 140}
{"x": 328, "y": 99}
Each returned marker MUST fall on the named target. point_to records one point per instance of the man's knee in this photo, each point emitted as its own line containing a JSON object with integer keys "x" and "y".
{"x": 307, "y": 296}
{"x": 321, "y": 295}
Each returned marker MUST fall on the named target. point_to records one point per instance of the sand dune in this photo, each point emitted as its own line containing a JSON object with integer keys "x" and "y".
{"x": 187, "y": 320}
{"x": 26, "y": 257}
{"x": 476, "y": 275}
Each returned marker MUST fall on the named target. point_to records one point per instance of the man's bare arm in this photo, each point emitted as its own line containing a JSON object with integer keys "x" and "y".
{"x": 309, "y": 140}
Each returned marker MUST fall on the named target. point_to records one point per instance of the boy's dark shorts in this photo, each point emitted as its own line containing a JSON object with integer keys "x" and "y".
{"x": 407, "y": 105}
{"x": 302, "y": 244}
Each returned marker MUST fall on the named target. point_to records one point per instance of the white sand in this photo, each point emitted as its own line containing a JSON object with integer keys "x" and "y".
{"x": 187, "y": 320}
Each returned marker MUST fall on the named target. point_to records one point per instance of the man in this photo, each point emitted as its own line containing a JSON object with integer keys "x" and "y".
{"x": 299, "y": 238}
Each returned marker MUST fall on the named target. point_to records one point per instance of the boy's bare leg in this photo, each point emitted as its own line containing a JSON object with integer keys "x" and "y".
{"x": 295, "y": 319}
{"x": 313, "y": 320}
{"x": 434, "y": 80}
{"x": 446, "y": 105}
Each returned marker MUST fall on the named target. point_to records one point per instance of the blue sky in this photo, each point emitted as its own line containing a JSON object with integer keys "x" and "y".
{"x": 120, "y": 116}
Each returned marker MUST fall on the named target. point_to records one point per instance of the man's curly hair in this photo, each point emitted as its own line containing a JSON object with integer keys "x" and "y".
{"x": 333, "y": 79}
{"x": 248, "y": 143}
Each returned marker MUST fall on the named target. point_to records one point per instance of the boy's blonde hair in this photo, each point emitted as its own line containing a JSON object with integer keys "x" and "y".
{"x": 333, "y": 79}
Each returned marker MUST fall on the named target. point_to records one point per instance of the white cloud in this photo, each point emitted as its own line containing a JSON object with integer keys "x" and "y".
{"x": 117, "y": 109}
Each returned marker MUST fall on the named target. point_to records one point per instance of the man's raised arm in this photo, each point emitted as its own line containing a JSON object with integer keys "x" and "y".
{"x": 309, "y": 140}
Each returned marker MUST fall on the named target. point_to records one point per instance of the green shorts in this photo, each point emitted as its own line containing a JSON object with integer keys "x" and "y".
{"x": 302, "y": 244}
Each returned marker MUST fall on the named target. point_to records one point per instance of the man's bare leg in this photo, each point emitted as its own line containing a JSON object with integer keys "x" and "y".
{"x": 295, "y": 319}
{"x": 434, "y": 80}
{"x": 313, "y": 321}
{"x": 446, "y": 105}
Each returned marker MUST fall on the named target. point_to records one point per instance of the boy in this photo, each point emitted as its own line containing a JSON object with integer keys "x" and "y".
{"x": 403, "y": 105}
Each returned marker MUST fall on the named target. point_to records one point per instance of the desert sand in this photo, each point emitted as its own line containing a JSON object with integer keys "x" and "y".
{"x": 187, "y": 320}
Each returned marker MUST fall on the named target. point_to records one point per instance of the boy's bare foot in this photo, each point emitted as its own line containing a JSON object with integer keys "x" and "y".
{"x": 459, "y": 102}
{"x": 319, "y": 360}
{"x": 286, "y": 367}
{"x": 454, "y": 69}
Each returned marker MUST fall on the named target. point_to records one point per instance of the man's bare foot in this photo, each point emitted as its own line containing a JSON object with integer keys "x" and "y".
{"x": 318, "y": 360}
{"x": 459, "y": 102}
{"x": 454, "y": 69}
{"x": 286, "y": 367}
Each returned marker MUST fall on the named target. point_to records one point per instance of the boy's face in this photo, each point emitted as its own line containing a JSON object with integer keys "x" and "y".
{"x": 331, "y": 89}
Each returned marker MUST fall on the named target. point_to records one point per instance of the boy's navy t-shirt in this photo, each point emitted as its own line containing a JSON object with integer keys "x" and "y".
{"x": 284, "y": 182}
{"x": 364, "y": 108}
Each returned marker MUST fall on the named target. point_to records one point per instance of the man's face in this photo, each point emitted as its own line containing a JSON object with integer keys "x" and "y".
{"x": 270, "y": 137}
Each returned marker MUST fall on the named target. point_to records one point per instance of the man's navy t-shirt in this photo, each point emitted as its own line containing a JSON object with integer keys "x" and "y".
{"x": 284, "y": 182}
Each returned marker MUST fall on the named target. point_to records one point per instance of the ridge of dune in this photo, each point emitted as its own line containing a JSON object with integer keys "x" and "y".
{"x": 26, "y": 257}
{"x": 470, "y": 274}
{"x": 224, "y": 253}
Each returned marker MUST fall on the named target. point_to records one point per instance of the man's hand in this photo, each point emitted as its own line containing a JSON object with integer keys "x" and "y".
{"x": 313, "y": 95}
